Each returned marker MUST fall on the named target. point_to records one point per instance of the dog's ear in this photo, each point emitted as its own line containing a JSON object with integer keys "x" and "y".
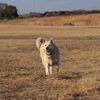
{"x": 44, "y": 40}
{"x": 51, "y": 40}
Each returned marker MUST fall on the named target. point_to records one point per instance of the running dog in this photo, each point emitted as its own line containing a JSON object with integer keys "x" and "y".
{"x": 49, "y": 54}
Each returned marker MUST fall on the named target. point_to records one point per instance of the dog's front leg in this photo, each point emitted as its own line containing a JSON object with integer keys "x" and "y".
{"x": 51, "y": 69}
{"x": 47, "y": 69}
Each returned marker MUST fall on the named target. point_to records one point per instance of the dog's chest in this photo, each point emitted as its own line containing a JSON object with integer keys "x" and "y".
{"x": 52, "y": 60}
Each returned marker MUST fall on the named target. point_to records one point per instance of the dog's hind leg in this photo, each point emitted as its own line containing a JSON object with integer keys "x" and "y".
{"x": 57, "y": 67}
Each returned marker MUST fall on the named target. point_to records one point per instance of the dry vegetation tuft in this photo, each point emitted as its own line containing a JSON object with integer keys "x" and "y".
{"x": 22, "y": 75}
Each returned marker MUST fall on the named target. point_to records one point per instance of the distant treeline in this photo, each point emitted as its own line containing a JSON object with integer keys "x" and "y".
{"x": 7, "y": 11}
{"x": 59, "y": 13}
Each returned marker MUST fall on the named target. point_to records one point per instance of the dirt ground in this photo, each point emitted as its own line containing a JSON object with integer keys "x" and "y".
{"x": 22, "y": 75}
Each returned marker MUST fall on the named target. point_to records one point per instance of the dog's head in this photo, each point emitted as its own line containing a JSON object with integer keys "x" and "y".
{"x": 48, "y": 45}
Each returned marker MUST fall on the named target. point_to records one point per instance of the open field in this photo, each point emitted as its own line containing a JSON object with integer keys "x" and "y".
{"x": 74, "y": 20}
{"x": 22, "y": 75}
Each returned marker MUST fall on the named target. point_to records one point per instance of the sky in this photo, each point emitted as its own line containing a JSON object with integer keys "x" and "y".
{"x": 27, "y": 6}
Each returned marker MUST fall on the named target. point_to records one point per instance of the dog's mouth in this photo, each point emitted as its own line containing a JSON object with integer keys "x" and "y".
{"x": 48, "y": 50}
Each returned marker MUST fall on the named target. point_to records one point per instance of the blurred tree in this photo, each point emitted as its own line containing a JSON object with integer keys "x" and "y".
{"x": 11, "y": 11}
{"x": 8, "y": 12}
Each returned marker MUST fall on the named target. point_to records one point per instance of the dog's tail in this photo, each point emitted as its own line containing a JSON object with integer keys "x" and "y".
{"x": 39, "y": 41}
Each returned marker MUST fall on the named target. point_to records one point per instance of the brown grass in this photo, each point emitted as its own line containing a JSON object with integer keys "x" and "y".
{"x": 75, "y": 20}
{"x": 22, "y": 75}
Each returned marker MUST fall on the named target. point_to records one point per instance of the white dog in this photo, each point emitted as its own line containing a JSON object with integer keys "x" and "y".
{"x": 49, "y": 54}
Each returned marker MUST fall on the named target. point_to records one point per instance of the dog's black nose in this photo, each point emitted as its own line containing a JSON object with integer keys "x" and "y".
{"x": 47, "y": 48}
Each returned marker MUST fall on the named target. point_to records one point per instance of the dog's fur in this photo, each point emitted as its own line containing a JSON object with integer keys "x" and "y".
{"x": 49, "y": 54}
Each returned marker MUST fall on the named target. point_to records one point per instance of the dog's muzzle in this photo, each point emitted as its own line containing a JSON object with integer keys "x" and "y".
{"x": 50, "y": 53}
{"x": 48, "y": 50}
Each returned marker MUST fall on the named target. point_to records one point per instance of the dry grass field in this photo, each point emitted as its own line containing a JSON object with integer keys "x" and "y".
{"x": 22, "y": 75}
{"x": 74, "y": 20}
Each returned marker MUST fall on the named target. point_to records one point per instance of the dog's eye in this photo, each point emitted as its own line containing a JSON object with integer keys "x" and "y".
{"x": 45, "y": 45}
{"x": 49, "y": 45}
